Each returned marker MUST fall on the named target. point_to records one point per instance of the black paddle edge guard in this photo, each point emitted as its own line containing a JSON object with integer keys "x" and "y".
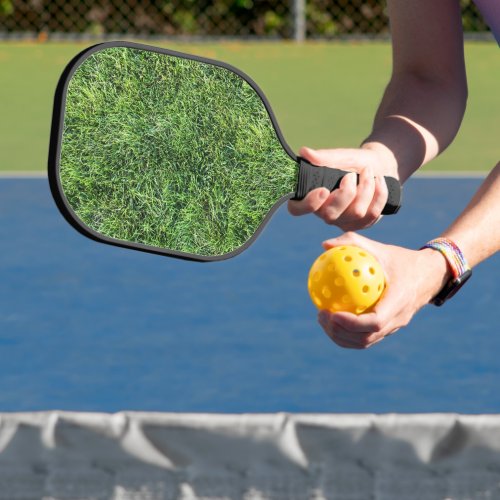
{"x": 312, "y": 177}
{"x": 56, "y": 140}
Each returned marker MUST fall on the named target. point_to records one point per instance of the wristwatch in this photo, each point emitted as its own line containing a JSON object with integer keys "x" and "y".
{"x": 460, "y": 270}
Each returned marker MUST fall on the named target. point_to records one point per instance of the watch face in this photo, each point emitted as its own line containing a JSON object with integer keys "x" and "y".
{"x": 451, "y": 288}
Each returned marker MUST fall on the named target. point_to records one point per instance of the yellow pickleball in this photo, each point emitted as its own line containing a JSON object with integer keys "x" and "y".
{"x": 346, "y": 278}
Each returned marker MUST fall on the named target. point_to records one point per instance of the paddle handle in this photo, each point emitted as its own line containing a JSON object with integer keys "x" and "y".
{"x": 312, "y": 177}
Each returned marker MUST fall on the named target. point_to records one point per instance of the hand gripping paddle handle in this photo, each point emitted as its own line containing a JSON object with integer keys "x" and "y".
{"x": 312, "y": 177}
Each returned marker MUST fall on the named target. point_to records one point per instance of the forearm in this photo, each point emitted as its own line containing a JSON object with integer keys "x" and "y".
{"x": 416, "y": 120}
{"x": 477, "y": 230}
{"x": 424, "y": 103}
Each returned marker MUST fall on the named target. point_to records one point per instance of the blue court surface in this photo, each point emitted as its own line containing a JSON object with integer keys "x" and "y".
{"x": 91, "y": 327}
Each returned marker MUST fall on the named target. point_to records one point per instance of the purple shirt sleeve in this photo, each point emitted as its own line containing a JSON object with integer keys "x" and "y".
{"x": 490, "y": 9}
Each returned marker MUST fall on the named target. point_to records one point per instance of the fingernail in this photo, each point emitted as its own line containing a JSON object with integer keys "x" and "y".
{"x": 324, "y": 193}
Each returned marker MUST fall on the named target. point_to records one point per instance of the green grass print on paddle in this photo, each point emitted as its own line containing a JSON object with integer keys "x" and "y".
{"x": 170, "y": 152}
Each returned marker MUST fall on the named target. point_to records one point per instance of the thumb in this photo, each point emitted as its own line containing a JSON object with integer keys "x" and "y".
{"x": 311, "y": 155}
{"x": 340, "y": 157}
{"x": 349, "y": 238}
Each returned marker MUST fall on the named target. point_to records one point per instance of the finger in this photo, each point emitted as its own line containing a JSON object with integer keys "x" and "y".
{"x": 380, "y": 196}
{"x": 341, "y": 340}
{"x": 343, "y": 343}
{"x": 385, "y": 318}
{"x": 347, "y": 338}
{"x": 372, "y": 343}
{"x": 393, "y": 332}
{"x": 375, "y": 339}
{"x": 365, "y": 191}
{"x": 391, "y": 311}
{"x": 338, "y": 334}
{"x": 354, "y": 341}
{"x": 362, "y": 340}
{"x": 311, "y": 203}
{"x": 362, "y": 324}
{"x": 366, "y": 210}
{"x": 338, "y": 201}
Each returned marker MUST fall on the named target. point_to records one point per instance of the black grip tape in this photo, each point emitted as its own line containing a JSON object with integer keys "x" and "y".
{"x": 312, "y": 177}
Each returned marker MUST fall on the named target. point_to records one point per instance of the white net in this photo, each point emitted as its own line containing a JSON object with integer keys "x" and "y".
{"x": 160, "y": 456}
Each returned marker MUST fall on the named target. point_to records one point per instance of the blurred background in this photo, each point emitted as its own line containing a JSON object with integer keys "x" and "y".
{"x": 324, "y": 90}
{"x": 277, "y": 19}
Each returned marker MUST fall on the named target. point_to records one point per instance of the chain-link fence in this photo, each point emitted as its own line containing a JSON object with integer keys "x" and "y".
{"x": 206, "y": 18}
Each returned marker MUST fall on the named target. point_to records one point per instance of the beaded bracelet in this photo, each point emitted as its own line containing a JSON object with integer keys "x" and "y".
{"x": 452, "y": 254}
{"x": 460, "y": 269}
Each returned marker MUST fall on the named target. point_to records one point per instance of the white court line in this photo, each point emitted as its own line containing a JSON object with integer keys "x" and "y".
{"x": 454, "y": 174}
{"x": 12, "y": 174}
{"x": 431, "y": 174}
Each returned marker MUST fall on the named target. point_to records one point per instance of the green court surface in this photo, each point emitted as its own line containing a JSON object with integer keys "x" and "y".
{"x": 323, "y": 94}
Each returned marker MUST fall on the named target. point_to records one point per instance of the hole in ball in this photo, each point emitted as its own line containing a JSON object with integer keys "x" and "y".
{"x": 366, "y": 289}
{"x": 346, "y": 299}
{"x": 356, "y": 273}
{"x": 317, "y": 300}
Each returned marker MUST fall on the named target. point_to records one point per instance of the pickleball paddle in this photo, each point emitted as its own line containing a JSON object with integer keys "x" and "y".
{"x": 172, "y": 153}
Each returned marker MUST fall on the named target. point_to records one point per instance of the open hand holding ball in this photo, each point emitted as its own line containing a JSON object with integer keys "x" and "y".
{"x": 346, "y": 278}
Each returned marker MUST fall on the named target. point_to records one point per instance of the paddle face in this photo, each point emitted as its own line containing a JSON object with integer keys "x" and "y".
{"x": 165, "y": 152}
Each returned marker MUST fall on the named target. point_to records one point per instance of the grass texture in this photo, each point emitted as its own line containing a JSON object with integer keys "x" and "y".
{"x": 169, "y": 152}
